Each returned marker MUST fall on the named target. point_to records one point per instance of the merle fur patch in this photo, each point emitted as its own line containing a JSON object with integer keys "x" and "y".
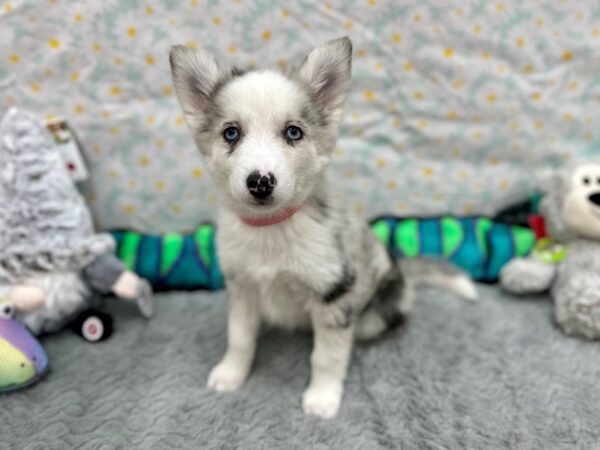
{"x": 342, "y": 286}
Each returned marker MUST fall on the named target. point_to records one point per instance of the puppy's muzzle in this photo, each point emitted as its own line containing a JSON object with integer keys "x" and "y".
{"x": 261, "y": 186}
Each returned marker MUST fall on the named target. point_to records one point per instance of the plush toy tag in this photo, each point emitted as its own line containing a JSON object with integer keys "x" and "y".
{"x": 69, "y": 148}
{"x": 550, "y": 250}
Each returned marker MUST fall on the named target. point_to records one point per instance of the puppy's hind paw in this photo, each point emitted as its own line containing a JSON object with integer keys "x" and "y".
{"x": 225, "y": 377}
{"x": 322, "y": 401}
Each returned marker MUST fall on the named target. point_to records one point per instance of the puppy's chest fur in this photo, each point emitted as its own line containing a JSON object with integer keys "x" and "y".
{"x": 290, "y": 268}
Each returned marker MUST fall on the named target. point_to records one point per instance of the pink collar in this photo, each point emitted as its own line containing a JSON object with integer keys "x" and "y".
{"x": 266, "y": 221}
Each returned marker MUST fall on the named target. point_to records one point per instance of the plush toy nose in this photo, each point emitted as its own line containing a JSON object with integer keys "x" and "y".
{"x": 261, "y": 186}
{"x": 595, "y": 198}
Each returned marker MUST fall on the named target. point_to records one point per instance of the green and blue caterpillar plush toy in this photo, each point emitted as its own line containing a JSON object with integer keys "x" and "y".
{"x": 479, "y": 245}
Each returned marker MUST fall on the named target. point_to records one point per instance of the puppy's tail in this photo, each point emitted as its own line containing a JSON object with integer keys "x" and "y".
{"x": 434, "y": 272}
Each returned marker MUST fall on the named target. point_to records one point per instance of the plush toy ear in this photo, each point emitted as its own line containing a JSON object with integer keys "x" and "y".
{"x": 195, "y": 75}
{"x": 326, "y": 70}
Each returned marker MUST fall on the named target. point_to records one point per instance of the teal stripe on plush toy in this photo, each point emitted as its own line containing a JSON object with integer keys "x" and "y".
{"x": 479, "y": 245}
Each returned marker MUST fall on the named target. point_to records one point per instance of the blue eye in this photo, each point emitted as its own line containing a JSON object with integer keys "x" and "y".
{"x": 293, "y": 133}
{"x": 231, "y": 134}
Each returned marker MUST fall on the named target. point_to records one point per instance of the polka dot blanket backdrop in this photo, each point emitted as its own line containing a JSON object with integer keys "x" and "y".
{"x": 453, "y": 104}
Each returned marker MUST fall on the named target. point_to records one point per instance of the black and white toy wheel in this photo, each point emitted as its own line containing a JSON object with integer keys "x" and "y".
{"x": 92, "y": 329}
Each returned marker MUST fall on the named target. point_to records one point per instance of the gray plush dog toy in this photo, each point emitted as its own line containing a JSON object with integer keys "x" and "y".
{"x": 571, "y": 207}
{"x": 51, "y": 260}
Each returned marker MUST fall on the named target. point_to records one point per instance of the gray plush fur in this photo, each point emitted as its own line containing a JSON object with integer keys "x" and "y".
{"x": 572, "y": 215}
{"x": 46, "y": 232}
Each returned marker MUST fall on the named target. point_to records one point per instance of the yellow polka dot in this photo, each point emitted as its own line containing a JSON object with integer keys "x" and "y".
{"x": 176, "y": 208}
{"x": 132, "y": 31}
{"x": 452, "y": 115}
{"x": 167, "y": 90}
{"x": 459, "y": 11}
{"x": 350, "y": 173}
{"x": 179, "y": 120}
{"x": 144, "y": 161}
{"x": 105, "y": 114}
{"x": 159, "y": 143}
{"x": 118, "y": 60}
{"x": 528, "y": 69}
{"x": 539, "y": 124}
{"x": 361, "y": 52}
{"x": 520, "y": 42}
{"x": 422, "y": 123}
{"x": 536, "y": 96}
{"x": 348, "y": 25}
{"x": 78, "y": 18}
{"x": 160, "y": 185}
{"x": 232, "y": 50}
{"x": 567, "y": 56}
{"x": 113, "y": 173}
{"x": 573, "y": 85}
{"x": 539, "y": 22}
{"x": 596, "y": 32}
{"x": 381, "y": 163}
{"x": 567, "y": 117}
{"x": 372, "y": 2}
{"x": 500, "y": 7}
{"x": 400, "y": 207}
{"x": 197, "y": 172}
{"x": 285, "y": 13}
{"x": 427, "y": 172}
{"x": 8, "y": 7}
{"x": 396, "y": 38}
{"x": 96, "y": 150}
{"x": 391, "y": 185}
{"x": 378, "y": 66}
{"x": 149, "y": 10}
{"x": 458, "y": 84}
{"x": 150, "y": 120}
{"x": 477, "y": 28}
{"x": 74, "y": 76}
{"x": 132, "y": 184}
{"x": 266, "y": 35}
{"x": 150, "y": 60}
{"x": 339, "y": 152}
{"x": 514, "y": 125}
{"x": 478, "y": 135}
{"x": 486, "y": 55}
{"x": 212, "y": 199}
{"x": 448, "y": 53}
{"x": 328, "y": 6}
{"x": 417, "y": 18}
{"x": 359, "y": 208}
{"x": 115, "y": 90}
{"x": 35, "y": 87}
{"x": 407, "y": 66}
{"x": 129, "y": 209}
{"x": 194, "y": 2}
{"x": 419, "y": 95}
{"x": 369, "y": 95}
{"x": 54, "y": 43}
{"x": 468, "y": 208}
{"x": 217, "y": 21}
{"x": 455, "y": 152}
{"x": 491, "y": 97}
{"x": 113, "y": 130}
{"x": 191, "y": 44}
{"x": 172, "y": 22}
{"x": 97, "y": 47}
{"x": 79, "y": 109}
{"x": 14, "y": 58}
{"x": 281, "y": 63}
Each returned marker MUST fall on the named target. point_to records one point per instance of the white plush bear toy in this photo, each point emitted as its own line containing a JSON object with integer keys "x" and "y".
{"x": 571, "y": 207}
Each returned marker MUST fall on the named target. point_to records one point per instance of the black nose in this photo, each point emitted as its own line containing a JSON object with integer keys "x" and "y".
{"x": 261, "y": 186}
{"x": 595, "y": 198}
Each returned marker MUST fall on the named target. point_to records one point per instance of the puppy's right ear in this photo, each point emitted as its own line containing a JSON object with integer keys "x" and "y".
{"x": 195, "y": 75}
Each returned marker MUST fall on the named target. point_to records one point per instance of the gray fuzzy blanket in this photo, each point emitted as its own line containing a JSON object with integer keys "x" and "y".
{"x": 493, "y": 375}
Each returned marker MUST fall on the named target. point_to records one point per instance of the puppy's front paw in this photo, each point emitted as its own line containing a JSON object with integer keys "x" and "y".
{"x": 323, "y": 401}
{"x": 226, "y": 377}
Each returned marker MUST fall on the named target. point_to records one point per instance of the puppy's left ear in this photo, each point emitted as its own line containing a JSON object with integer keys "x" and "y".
{"x": 326, "y": 70}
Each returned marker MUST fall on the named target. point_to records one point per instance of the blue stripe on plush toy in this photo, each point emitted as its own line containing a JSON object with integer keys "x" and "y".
{"x": 479, "y": 245}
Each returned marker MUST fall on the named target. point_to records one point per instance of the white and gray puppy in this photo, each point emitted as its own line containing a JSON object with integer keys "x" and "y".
{"x": 291, "y": 253}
